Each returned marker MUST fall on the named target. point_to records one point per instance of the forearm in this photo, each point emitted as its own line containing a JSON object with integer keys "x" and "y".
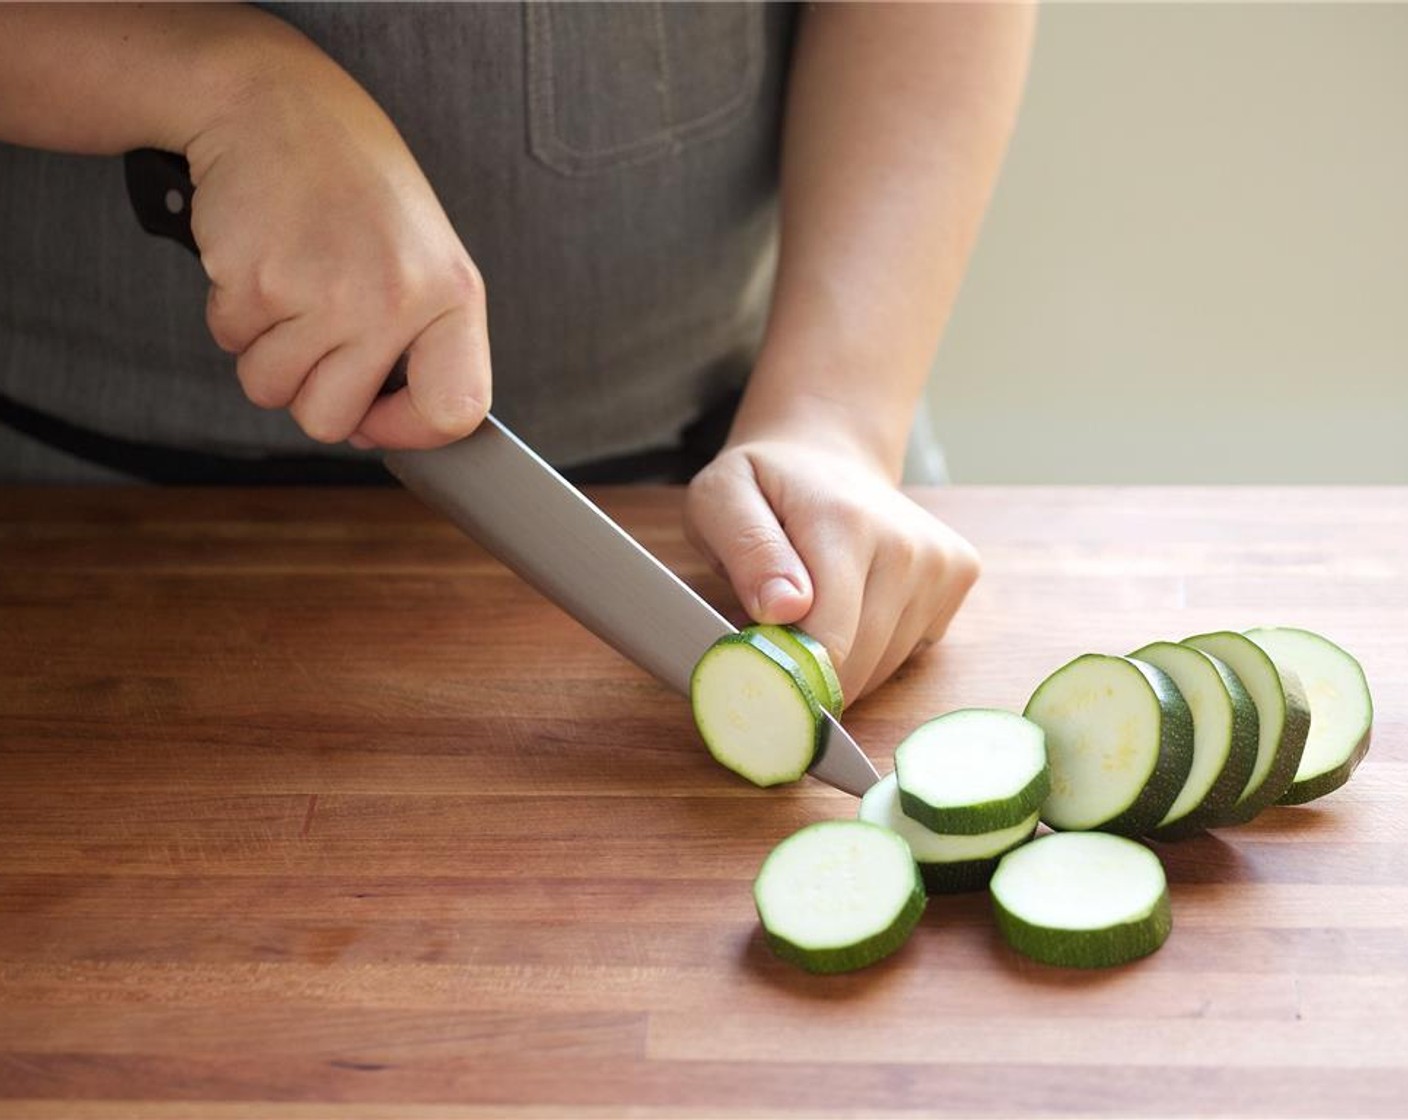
{"x": 105, "y": 78}
{"x": 897, "y": 119}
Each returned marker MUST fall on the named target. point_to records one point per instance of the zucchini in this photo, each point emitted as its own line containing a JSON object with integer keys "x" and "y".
{"x": 838, "y": 895}
{"x": 1119, "y": 738}
{"x": 1082, "y": 900}
{"x": 755, "y": 711}
{"x": 813, "y": 659}
{"x": 1283, "y": 718}
{"x": 1224, "y": 736}
{"x": 947, "y": 863}
{"x": 972, "y": 771}
{"x": 1341, "y": 709}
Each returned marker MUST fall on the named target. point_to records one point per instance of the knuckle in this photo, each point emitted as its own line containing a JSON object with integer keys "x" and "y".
{"x": 964, "y": 563}
{"x": 396, "y": 294}
{"x": 712, "y": 489}
{"x": 758, "y": 546}
{"x": 218, "y": 321}
{"x": 837, "y": 644}
{"x": 904, "y": 552}
{"x": 456, "y": 413}
{"x": 222, "y": 335}
{"x": 263, "y": 391}
{"x": 707, "y": 486}
{"x": 268, "y": 287}
{"x": 323, "y": 432}
{"x": 850, "y": 518}
{"x": 465, "y": 282}
{"x": 321, "y": 426}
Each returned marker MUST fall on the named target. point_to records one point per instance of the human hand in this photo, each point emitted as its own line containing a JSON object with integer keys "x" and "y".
{"x": 820, "y": 536}
{"x": 329, "y": 257}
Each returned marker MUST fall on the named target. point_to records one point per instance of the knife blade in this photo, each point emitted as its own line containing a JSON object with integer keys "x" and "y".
{"x": 507, "y": 498}
{"x": 502, "y": 494}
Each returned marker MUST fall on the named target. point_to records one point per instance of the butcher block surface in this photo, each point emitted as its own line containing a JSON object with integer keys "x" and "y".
{"x": 309, "y": 808}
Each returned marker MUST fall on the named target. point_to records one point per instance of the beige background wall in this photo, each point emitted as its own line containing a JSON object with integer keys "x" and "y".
{"x": 1195, "y": 267}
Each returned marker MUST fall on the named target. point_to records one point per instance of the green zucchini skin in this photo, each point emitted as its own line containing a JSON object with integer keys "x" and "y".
{"x": 1327, "y": 781}
{"x": 1118, "y": 884}
{"x": 1314, "y": 788}
{"x": 1094, "y": 948}
{"x": 1245, "y": 726}
{"x": 1241, "y": 760}
{"x": 947, "y": 864}
{"x": 813, "y": 659}
{"x": 1289, "y": 750}
{"x": 961, "y": 877}
{"x": 1283, "y": 767}
{"x": 785, "y": 665}
{"x": 973, "y": 820}
{"x": 862, "y": 954}
{"x": 978, "y": 817}
{"x": 858, "y": 953}
{"x": 1174, "y": 762}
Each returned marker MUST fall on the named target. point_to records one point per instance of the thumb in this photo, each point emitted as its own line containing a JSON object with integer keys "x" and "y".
{"x": 447, "y": 392}
{"x": 730, "y": 521}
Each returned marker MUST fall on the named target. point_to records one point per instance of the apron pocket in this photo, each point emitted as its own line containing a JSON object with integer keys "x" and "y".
{"x": 613, "y": 85}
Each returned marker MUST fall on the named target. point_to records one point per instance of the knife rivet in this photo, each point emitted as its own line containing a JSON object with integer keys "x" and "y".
{"x": 175, "y": 201}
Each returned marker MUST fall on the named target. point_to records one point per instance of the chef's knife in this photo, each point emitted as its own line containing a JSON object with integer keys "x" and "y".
{"x": 519, "y": 509}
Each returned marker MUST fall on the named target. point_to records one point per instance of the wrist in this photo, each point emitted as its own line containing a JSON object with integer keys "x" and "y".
{"x": 848, "y": 413}
{"x": 241, "y": 58}
{"x": 104, "y": 79}
{"x": 279, "y": 103}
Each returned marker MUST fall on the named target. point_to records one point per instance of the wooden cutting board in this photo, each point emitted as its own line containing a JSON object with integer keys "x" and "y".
{"x": 309, "y": 809}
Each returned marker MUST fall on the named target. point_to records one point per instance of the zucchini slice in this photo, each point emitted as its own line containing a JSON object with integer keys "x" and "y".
{"x": 813, "y": 659}
{"x": 972, "y": 771}
{"x": 1341, "y": 709}
{"x": 1224, "y": 735}
{"x": 838, "y": 895}
{"x": 754, "y": 710}
{"x": 1119, "y": 737}
{"x": 947, "y": 864}
{"x": 1082, "y": 900}
{"x": 1283, "y": 718}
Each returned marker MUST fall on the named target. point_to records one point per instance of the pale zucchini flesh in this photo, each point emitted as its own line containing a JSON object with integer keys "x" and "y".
{"x": 1119, "y": 739}
{"x": 754, "y": 710}
{"x": 1082, "y": 900}
{"x": 947, "y": 863}
{"x": 838, "y": 895}
{"x": 1224, "y": 735}
{"x": 813, "y": 659}
{"x": 1283, "y": 719}
{"x": 972, "y": 771}
{"x": 1341, "y": 708}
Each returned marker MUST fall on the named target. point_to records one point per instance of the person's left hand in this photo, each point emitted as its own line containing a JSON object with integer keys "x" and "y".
{"x": 818, "y": 536}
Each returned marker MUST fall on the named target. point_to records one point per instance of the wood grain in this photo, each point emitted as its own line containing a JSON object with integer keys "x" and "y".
{"x": 310, "y": 809}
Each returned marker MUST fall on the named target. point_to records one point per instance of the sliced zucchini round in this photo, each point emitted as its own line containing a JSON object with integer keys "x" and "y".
{"x": 1283, "y": 719}
{"x": 1082, "y": 900}
{"x": 1341, "y": 709}
{"x": 1224, "y": 735}
{"x": 1119, "y": 738}
{"x": 948, "y": 864}
{"x": 972, "y": 771}
{"x": 813, "y": 659}
{"x": 839, "y": 895}
{"x": 755, "y": 711}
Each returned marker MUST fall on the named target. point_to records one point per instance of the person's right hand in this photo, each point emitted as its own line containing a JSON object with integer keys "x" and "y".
{"x": 329, "y": 256}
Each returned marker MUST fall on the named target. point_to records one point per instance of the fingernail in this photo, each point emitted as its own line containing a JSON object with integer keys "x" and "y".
{"x": 360, "y": 442}
{"x": 774, "y": 592}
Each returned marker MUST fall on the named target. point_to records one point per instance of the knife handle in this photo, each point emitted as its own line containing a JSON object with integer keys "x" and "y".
{"x": 160, "y": 189}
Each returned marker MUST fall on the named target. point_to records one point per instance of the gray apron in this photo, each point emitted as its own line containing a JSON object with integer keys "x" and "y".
{"x": 612, "y": 169}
